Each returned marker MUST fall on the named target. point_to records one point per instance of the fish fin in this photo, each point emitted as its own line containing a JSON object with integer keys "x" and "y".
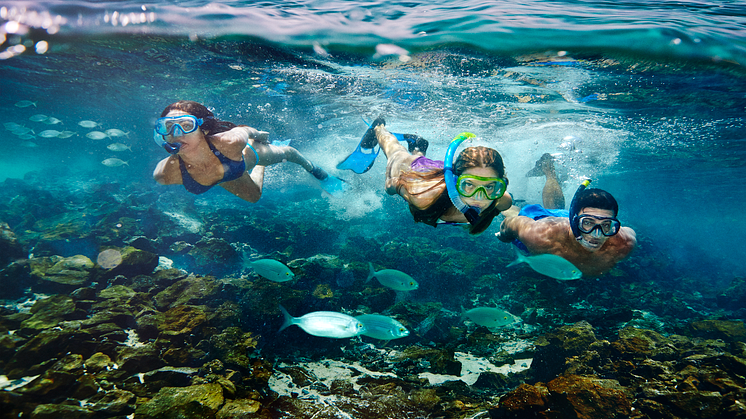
{"x": 288, "y": 318}
{"x": 519, "y": 257}
{"x": 372, "y": 273}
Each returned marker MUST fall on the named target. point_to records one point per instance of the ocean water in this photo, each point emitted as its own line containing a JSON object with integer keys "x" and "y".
{"x": 646, "y": 98}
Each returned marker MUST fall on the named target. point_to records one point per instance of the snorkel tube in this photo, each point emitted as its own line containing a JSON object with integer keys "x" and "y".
{"x": 159, "y": 139}
{"x": 471, "y": 213}
{"x": 574, "y": 218}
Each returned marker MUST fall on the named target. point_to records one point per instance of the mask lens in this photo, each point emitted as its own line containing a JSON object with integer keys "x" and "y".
{"x": 469, "y": 185}
{"x": 177, "y": 125}
{"x": 607, "y": 226}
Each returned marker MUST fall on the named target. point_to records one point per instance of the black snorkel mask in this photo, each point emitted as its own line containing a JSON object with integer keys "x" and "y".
{"x": 609, "y": 226}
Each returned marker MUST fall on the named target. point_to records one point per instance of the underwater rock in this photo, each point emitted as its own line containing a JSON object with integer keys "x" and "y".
{"x": 56, "y": 274}
{"x": 47, "y": 313}
{"x": 726, "y": 330}
{"x": 98, "y": 362}
{"x": 10, "y": 248}
{"x": 734, "y": 297}
{"x": 233, "y": 347}
{"x": 193, "y": 402}
{"x": 553, "y": 348}
{"x": 136, "y": 359}
{"x": 192, "y": 290}
{"x": 243, "y": 408}
{"x": 213, "y": 255}
{"x": 567, "y": 396}
{"x": 48, "y": 344}
{"x": 183, "y": 320}
{"x": 134, "y": 262}
{"x": 113, "y": 402}
{"x": 57, "y": 411}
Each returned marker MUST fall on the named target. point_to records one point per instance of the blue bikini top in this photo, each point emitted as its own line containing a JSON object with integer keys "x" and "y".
{"x": 232, "y": 170}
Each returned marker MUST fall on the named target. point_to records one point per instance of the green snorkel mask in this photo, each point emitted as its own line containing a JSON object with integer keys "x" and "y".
{"x": 471, "y": 213}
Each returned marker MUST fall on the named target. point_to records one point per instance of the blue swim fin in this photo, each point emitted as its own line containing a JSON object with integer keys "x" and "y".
{"x": 362, "y": 159}
{"x": 334, "y": 186}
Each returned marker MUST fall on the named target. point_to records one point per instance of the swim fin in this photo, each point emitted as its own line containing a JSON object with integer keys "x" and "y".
{"x": 334, "y": 186}
{"x": 331, "y": 184}
{"x": 362, "y": 159}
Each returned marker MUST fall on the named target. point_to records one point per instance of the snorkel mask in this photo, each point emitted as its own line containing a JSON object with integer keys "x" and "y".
{"x": 174, "y": 126}
{"x": 587, "y": 223}
{"x": 463, "y": 186}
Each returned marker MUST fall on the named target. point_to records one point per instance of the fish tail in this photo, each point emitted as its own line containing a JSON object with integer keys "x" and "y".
{"x": 126, "y": 163}
{"x": 372, "y": 273}
{"x": 288, "y": 319}
{"x": 519, "y": 257}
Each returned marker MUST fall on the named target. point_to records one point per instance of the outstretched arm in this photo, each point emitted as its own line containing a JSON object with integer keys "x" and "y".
{"x": 512, "y": 226}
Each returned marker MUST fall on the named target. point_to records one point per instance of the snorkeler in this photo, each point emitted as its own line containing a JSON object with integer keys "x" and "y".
{"x": 470, "y": 189}
{"x": 589, "y": 235}
{"x": 206, "y": 151}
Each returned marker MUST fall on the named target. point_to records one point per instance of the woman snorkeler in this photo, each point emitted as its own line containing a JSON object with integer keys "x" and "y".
{"x": 206, "y": 151}
{"x": 471, "y": 189}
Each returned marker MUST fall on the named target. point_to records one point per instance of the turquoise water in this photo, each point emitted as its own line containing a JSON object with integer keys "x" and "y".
{"x": 646, "y": 98}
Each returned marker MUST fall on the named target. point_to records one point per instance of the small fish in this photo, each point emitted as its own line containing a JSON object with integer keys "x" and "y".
{"x": 49, "y": 133}
{"x": 38, "y": 118}
{"x": 326, "y": 324}
{"x": 88, "y": 124}
{"x": 67, "y": 134}
{"x": 490, "y": 317}
{"x": 391, "y": 278}
{"x": 118, "y": 147}
{"x": 29, "y": 144}
{"x": 112, "y": 162}
{"x": 21, "y": 130}
{"x": 96, "y": 135}
{"x": 272, "y": 270}
{"x": 382, "y": 327}
{"x": 25, "y": 104}
{"x": 51, "y": 121}
{"x": 553, "y": 266}
{"x": 113, "y": 132}
{"x": 27, "y": 136}
{"x": 10, "y": 126}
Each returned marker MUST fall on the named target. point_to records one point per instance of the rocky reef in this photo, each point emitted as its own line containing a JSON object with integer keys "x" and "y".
{"x": 120, "y": 303}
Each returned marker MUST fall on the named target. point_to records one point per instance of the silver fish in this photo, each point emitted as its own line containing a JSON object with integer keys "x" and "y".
{"x": 10, "y": 126}
{"x": 550, "y": 265}
{"x": 382, "y": 327}
{"x": 67, "y": 134}
{"x": 118, "y": 147}
{"x": 49, "y": 133}
{"x": 112, "y": 162}
{"x": 96, "y": 135}
{"x": 29, "y": 144}
{"x": 88, "y": 124}
{"x": 21, "y": 130}
{"x": 113, "y": 132}
{"x": 490, "y": 317}
{"x": 38, "y": 118}
{"x": 25, "y": 104}
{"x": 326, "y": 324}
{"x": 391, "y": 278}
{"x": 272, "y": 270}
{"x": 51, "y": 121}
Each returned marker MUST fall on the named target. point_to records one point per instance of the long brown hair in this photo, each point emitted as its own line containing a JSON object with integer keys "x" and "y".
{"x": 470, "y": 157}
{"x": 210, "y": 126}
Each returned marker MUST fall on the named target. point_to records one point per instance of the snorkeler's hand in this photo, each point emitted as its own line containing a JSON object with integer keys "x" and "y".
{"x": 261, "y": 136}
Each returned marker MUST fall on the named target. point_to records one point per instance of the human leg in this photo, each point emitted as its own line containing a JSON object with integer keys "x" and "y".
{"x": 552, "y": 196}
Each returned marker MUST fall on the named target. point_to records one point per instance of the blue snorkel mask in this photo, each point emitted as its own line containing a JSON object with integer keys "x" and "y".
{"x": 175, "y": 126}
{"x": 471, "y": 213}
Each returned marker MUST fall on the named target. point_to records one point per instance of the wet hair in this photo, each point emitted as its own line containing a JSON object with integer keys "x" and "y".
{"x": 468, "y": 158}
{"x": 479, "y": 157}
{"x": 594, "y": 198}
{"x": 210, "y": 126}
